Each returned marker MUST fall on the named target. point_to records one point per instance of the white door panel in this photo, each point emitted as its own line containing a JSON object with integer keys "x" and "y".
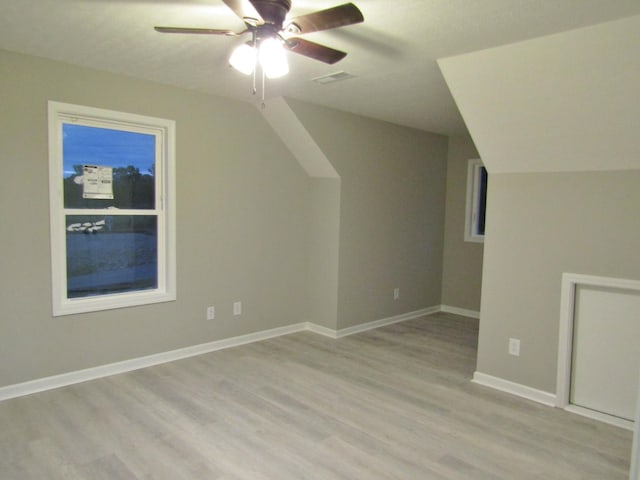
{"x": 606, "y": 350}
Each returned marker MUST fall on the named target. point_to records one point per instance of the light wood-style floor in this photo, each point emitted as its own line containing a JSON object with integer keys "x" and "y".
{"x": 392, "y": 403}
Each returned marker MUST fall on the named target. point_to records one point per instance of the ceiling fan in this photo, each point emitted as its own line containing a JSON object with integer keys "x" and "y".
{"x": 272, "y": 32}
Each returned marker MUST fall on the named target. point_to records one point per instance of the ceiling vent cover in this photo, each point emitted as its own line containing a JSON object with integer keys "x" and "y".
{"x": 333, "y": 77}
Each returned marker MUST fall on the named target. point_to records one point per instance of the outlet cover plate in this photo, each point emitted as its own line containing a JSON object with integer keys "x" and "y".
{"x": 514, "y": 347}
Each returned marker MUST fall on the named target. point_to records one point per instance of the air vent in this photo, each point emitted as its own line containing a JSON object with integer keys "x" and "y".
{"x": 333, "y": 77}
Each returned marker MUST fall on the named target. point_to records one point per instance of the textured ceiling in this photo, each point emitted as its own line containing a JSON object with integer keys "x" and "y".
{"x": 392, "y": 55}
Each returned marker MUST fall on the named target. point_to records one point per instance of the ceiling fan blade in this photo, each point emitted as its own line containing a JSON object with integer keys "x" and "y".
{"x": 339, "y": 16}
{"x": 314, "y": 50}
{"x": 245, "y": 10}
{"x": 198, "y": 31}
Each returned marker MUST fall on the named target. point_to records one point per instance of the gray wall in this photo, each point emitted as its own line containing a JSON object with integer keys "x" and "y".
{"x": 462, "y": 262}
{"x": 324, "y": 255}
{"x": 571, "y": 118}
{"x": 391, "y": 212}
{"x": 242, "y": 224}
{"x": 539, "y": 226}
{"x": 251, "y": 225}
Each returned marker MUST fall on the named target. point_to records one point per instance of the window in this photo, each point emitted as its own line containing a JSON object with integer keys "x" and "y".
{"x": 112, "y": 202}
{"x": 477, "y": 179}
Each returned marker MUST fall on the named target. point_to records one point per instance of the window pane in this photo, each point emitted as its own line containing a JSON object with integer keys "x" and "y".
{"x": 482, "y": 200}
{"x": 128, "y": 156}
{"x": 111, "y": 254}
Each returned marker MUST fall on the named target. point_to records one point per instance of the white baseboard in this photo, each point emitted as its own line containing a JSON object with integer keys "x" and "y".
{"x": 517, "y": 389}
{"x": 460, "y": 311}
{"x": 601, "y": 417}
{"x": 65, "y": 379}
{"x": 320, "y": 330}
{"x": 363, "y": 327}
{"x": 70, "y": 378}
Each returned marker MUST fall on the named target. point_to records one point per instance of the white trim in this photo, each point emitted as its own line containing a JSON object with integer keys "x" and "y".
{"x": 602, "y": 417}
{"x": 565, "y": 340}
{"x": 540, "y": 396}
{"x": 472, "y": 202}
{"x": 570, "y": 282}
{"x": 320, "y": 330}
{"x": 70, "y": 378}
{"x": 363, "y": 327}
{"x": 460, "y": 311}
{"x": 164, "y": 209}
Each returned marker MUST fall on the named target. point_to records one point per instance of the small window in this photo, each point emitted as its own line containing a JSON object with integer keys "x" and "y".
{"x": 112, "y": 203}
{"x": 475, "y": 216}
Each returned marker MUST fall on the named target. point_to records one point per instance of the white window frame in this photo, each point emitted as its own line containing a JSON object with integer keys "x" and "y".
{"x": 472, "y": 217}
{"x": 164, "y": 132}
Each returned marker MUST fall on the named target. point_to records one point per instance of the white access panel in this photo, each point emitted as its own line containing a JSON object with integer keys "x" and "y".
{"x": 606, "y": 350}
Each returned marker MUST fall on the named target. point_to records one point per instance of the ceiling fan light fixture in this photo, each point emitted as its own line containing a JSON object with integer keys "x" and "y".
{"x": 243, "y": 59}
{"x": 272, "y": 57}
{"x": 271, "y": 36}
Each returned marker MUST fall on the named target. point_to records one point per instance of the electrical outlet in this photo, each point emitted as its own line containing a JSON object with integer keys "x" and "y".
{"x": 237, "y": 308}
{"x": 396, "y": 293}
{"x": 514, "y": 347}
{"x": 211, "y": 313}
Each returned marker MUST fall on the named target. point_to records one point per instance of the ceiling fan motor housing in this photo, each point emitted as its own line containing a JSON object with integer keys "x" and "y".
{"x": 273, "y": 11}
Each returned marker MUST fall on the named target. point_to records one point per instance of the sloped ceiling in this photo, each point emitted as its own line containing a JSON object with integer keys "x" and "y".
{"x": 291, "y": 131}
{"x": 564, "y": 102}
{"x": 392, "y": 55}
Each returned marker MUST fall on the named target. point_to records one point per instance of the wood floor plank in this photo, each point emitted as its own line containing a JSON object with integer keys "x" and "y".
{"x": 391, "y": 403}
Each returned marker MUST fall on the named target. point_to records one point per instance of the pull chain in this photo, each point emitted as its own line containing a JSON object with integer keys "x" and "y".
{"x": 254, "y": 40}
{"x": 263, "y": 88}
{"x": 253, "y": 89}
